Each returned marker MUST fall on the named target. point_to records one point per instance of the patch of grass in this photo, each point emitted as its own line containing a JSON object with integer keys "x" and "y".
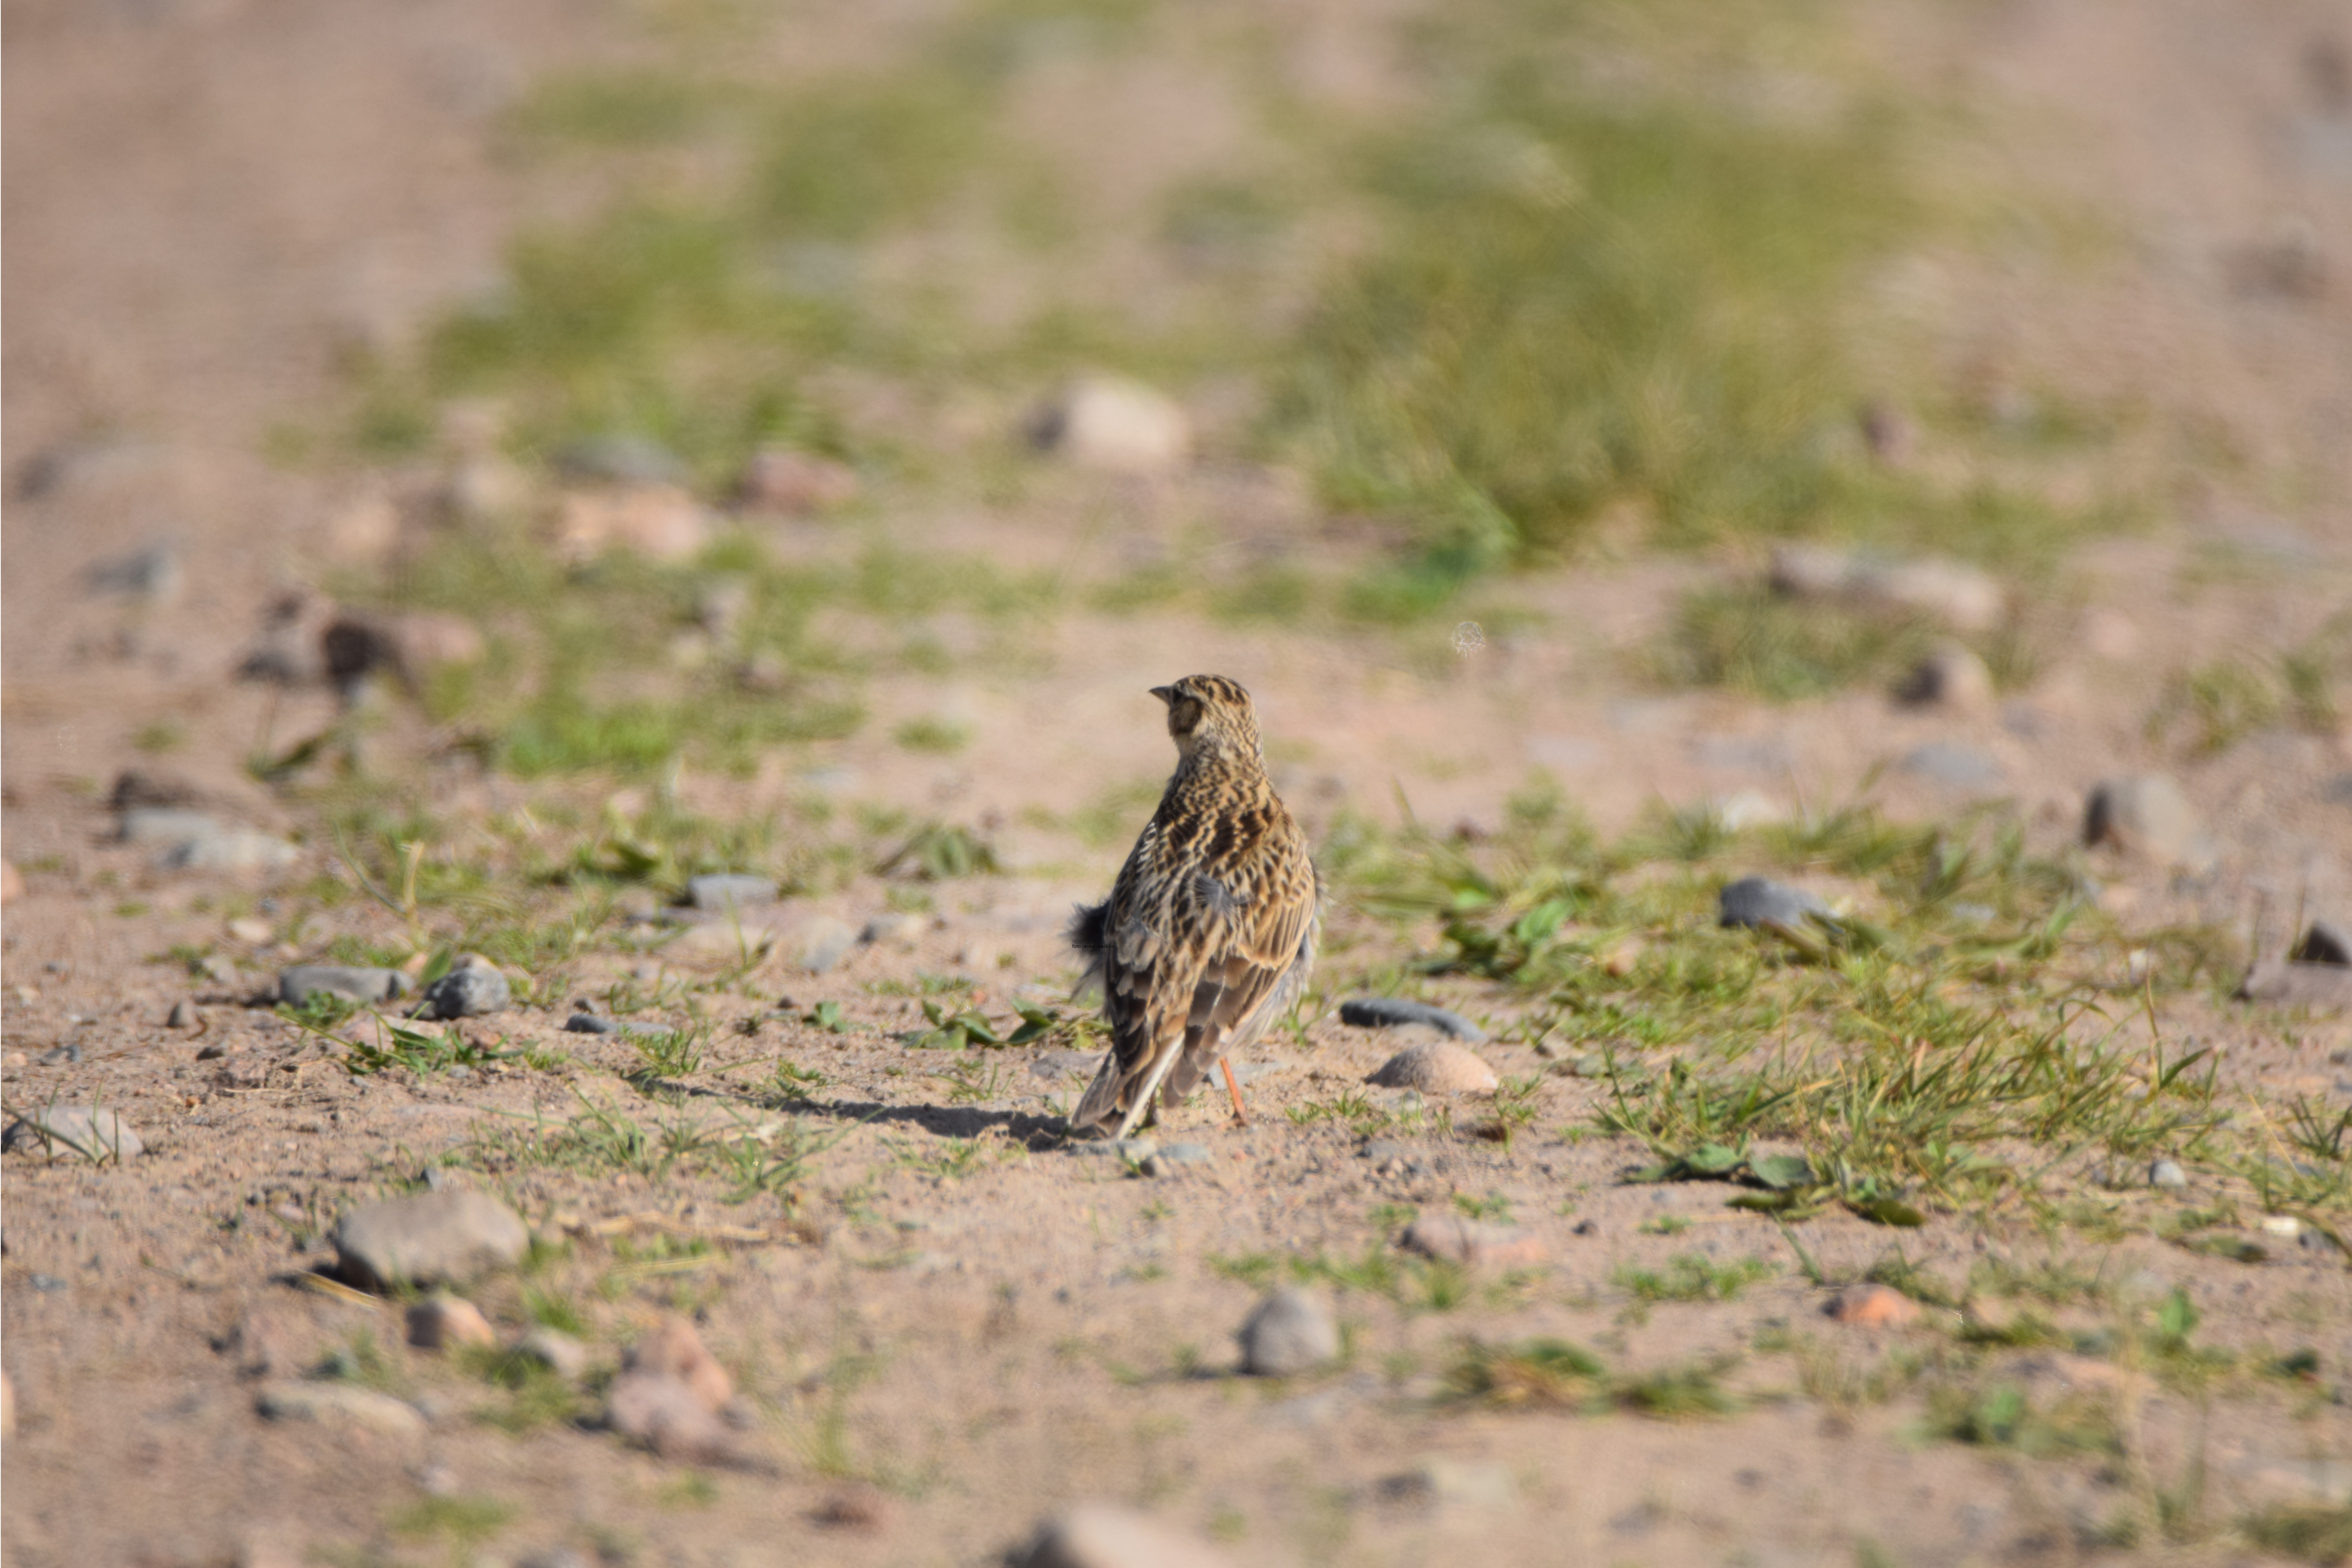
{"x": 461, "y": 1520}
{"x": 942, "y": 736}
{"x": 2316, "y": 1533}
{"x": 1692, "y": 1276}
{"x": 2001, "y": 1415}
{"x": 162, "y": 736}
{"x": 1538, "y": 1373}
{"x": 1753, "y": 640}
{"x": 397, "y": 1045}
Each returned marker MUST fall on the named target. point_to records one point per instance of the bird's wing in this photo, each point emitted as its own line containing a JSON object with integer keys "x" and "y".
{"x": 1187, "y": 961}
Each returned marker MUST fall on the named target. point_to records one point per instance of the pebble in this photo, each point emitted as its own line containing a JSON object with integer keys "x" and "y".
{"x": 2316, "y": 986}
{"x": 672, "y": 1349}
{"x": 2167, "y": 1173}
{"x": 1457, "y": 1239}
{"x": 304, "y": 981}
{"x": 722, "y": 892}
{"x": 1961, "y": 767}
{"x": 589, "y": 1024}
{"x": 1438, "y": 1066}
{"x": 1114, "y": 425}
{"x": 2148, "y": 813}
{"x": 2324, "y": 943}
{"x": 857, "y": 1508}
{"x": 1290, "y": 1331}
{"x": 1440, "y": 1482}
{"x": 192, "y": 841}
{"x": 339, "y": 1404}
{"x": 469, "y": 990}
{"x": 897, "y": 928}
{"x": 1172, "y": 1155}
{"x": 1760, "y": 901}
{"x": 58, "y": 1056}
{"x": 1951, "y": 678}
{"x": 183, "y": 1017}
{"x": 448, "y": 1237}
{"x": 1390, "y": 1012}
{"x": 1106, "y": 1536}
{"x": 620, "y": 460}
{"x": 662, "y": 1414}
{"x": 258, "y": 933}
{"x": 556, "y": 1351}
{"x": 779, "y": 480}
{"x": 444, "y": 1323}
{"x": 93, "y": 1132}
{"x": 1872, "y": 1307}
{"x": 819, "y": 942}
{"x": 1962, "y": 596}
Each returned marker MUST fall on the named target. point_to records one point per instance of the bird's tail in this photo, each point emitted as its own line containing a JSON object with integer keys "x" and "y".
{"x": 1101, "y": 1102}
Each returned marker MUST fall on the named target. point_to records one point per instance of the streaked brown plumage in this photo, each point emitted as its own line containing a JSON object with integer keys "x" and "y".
{"x": 1210, "y": 930}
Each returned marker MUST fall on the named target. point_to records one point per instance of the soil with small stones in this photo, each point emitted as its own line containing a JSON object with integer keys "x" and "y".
{"x": 210, "y": 203}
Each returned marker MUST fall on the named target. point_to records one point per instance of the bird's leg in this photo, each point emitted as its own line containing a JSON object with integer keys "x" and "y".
{"x": 1234, "y": 1089}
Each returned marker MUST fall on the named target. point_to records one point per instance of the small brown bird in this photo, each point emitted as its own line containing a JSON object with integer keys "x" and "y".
{"x": 1210, "y": 930}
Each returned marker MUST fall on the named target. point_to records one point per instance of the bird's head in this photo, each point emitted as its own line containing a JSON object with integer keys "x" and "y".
{"x": 1209, "y": 716}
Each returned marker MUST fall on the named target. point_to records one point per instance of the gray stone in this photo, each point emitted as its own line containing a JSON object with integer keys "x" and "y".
{"x": 1958, "y": 596}
{"x": 2285, "y": 985}
{"x": 901, "y": 928}
{"x": 92, "y": 1133}
{"x": 1438, "y": 1066}
{"x": 722, "y": 892}
{"x": 819, "y": 942}
{"x": 2324, "y": 943}
{"x": 304, "y": 981}
{"x": 66, "y": 1054}
{"x": 2167, "y": 1173}
{"x": 1459, "y": 1483}
{"x": 1961, "y": 767}
{"x": 191, "y": 841}
{"x": 470, "y": 992}
{"x": 2147, "y": 814}
{"x": 1390, "y": 1012}
{"x": 554, "y": 1350}
{"x": 449, "y": 1238}
{"x": 1290, "y": 1331}
{"x": 183, "y": 1016}
{"x": 620, "y": 460}
{"x": 661, "y": 1413}
{"x": 1760, "y": 901}
{"x": 1456, "y": 1238}
{"x": 1133, "y": 1150}
{"x": 1171, "y": 1156}
{"x": 341, "y": 1405}
{"x": 589, "y": 1024}
{"x": 1106, "y": 1536}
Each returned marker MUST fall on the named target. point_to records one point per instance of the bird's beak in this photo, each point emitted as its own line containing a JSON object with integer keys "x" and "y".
{"x": 1165, "y": 693}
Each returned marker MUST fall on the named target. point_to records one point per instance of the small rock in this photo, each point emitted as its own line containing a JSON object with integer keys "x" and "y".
{"x": 2324, "y": 943}
{"x": 857, "y": 1508}
{"x": 1872, "y": 1307}
{"x": 1105, "y": 1535}
{"x": 2314, "y": 986}
{"x": 673, "y": 1349}
{"x": 192, "y": 841}
{"x": 1960, "y": 596}
{"x": 721, "y": 891}
{"x": 1390, "y": 1012}
{"x": 249, "y": 930}
{"x": 444, "y": 1323}
{"x": 152, "y": 574}
{"x": 894, "y": 928}
{"x": 1170, "y": 1156}
{"x": 1290, "y": 1331}
{"x": 1459, "y": 1483}
{"x": 2147, "y": 813}
{"x": 468, "y": 991}
{"x": 91, "y": 1131}
{"x": 1952, "y": 677}
{"x": 1438, "y": 1066}
{"x": 303, "y": 980}
{"x": 819, "y": 942}
{"x": 660, "y": 522}
{"x": 2167, "y": 1173}
{"x": 1115, "y": 425}
{"x": 341, "y": 1405}
{"x": 664, "y": 1415}
{"x": 628, "y": 459}
{"x": 58, "y": 1056}
{"x": 163, "y": 824}
{"x": 1749, "y": 808}
{"x": 556, "y": 1351}
{"x": 1760, "y": 901}
{"x": 183, "y": 1017}
{"x": 1456, "y": 1238}
{"x": 1961, "y": 767}
{"x": 795, "y": 483}
{"x": 589, "y": 1024}
{"x": 448, "y": 1238}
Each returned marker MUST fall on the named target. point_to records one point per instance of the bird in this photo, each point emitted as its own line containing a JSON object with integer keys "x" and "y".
{"x": 1210, "y": 930}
